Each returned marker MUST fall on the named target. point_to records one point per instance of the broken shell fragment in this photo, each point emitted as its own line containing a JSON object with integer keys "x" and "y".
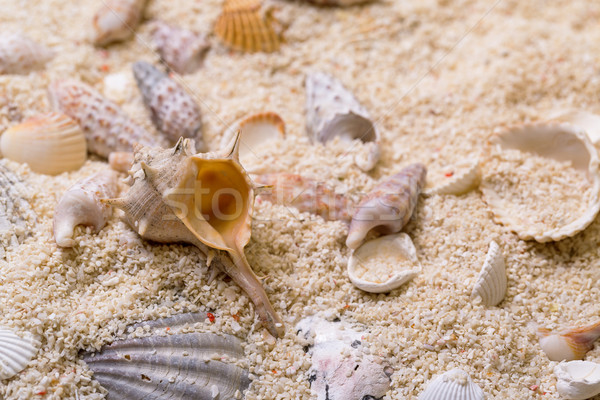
{"x": 333, "y": 111}
{"x": 81, "y": 205}
{"x": 569, "y": 344}
{"x": 384, "y": 264}
{"x": 50, "y": 144}
{"x": 181, "y": 50}
{"x": 121, "y": 161}
{"x": 173, "y": 111}
{"x": 15, "y": 352}
{"x": 116, "y": 20}
{"x": 389, "y": 206}
{"x": 560, "y": 142}
{"x": 21, "y": 55}
{"x": 452, "y": 385}
{"x": 106, "y": 126}
{"x": 589, "y": 122}
{"x": 577, "y": 380}
{"x": 491, "y": 282}
{"x": 242, "y": 27}
{"x": 459, "y": 183}
{"x": 177, "y": 365}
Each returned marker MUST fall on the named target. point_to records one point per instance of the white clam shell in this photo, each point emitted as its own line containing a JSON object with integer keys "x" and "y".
{"x": 50, "y": 144}
{"x": 452, "y": 385}
{"x": 577, "y": 380}
{"x": 461, "y": 182}
{"x": 15, "y": 352}
{"x": 589, "y": 122}
{"x": 491, "y": 282}
{"x": 559, "y": 141}
{"x": 379, "y": 265}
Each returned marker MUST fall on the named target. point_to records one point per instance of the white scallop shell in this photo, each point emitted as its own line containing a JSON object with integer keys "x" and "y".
{"x": 460, "y": 183}
{"x": 559, "y": 141}
{"x": 577, "y": 380}
{"x": 452, "y": 385}
{"x": 589, "y": 122}
{"x": 491, "y": 282}
{"x": 15, "y": 352}
{"x": 388, "y": 254}
{"x": 50, "y": 144}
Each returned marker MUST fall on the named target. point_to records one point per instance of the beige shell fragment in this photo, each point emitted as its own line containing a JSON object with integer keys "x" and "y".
{"x": 15, "y": 352}
{"x": 491, "y": 282}
{"x": 384, "y": 264}
{"x": 561, "y": 142}
{"x": 589, "y": 122}
{"x": 460, "y": 183}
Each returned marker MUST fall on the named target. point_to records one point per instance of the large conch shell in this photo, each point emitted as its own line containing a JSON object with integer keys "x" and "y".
{"x": 205, "y": 199}
{"x": 559, "y": 141}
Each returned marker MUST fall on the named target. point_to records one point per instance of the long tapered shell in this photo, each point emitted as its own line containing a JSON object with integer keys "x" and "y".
{"x": 333, "y": 111}
{"x": 577, "y": 380}
{"x": 589, "y": 122}
{"x": 81, "y": 205}
{"x": 305, "y": 194}
{"x": 180, "y": 365}
{"x": 242, "y": 27}
{"x": 255, "y": 131}
{"x": 182, "y": 50}
{"x": 106, "y": 127}
{"x": 15, "y": 352}
{"x": 389, "y": 206}
{"x": 384, "y": 264}
{"x": 121, "y": 161}
{"x": 452, "y": 385}
{"x": 173, "y": 111}
{"x": 50, "y": 144}
{"x": 462, "y": 182}
{"x": 20, "y": 55}
{"x": 116, "y": 20}
{"x": 491, "y": 282}
{"x": 561, "y": 142}
{"x": 569, "y": 344}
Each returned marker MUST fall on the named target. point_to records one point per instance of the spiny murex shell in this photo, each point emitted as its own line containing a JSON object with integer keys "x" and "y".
{"x": 380, "y": 265}
{"x": 178, "y": 365}
{"x": 205, "y": 199}
{"x": 559, "y": 141}
{"x": 116, "y": 20}
{"x": 569, "y": 344}
{"x": 15, "y": 352}
{"x": 333, "y": 111}
{"x": 491, "y": 282}
{"x": 460, "y": 183}
{"x": 452, "y": 385}
{"x": 181, "y": 50}
{"x": 50, "y": 144}
{"x": 577, "y": 380}
{"x": 389, "y": 206}
{"x": 20, "y": 55}
{"x": 174, "y": 112}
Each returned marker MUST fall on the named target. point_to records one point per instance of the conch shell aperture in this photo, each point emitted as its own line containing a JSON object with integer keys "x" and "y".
{"x": 205, "y": 199}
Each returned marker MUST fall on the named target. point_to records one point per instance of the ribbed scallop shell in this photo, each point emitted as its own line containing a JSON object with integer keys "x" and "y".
{"x": 460, "y": 183}
{"x": 452, "y": 385}
{"x": 182, "y": 50}
{"x": 15, "y": 352}
{"x": 179, "y": 365}
{"x": 491, "y": 282}
{"x": 376, "y": 257}
{"x": 241, "y": 26}
{"x": 116, "y": 20}
{"x": 50, "y": 144}
{"x": 559, "y": 141}
{"x": 20, "y": 55}
{"x": 577, "y": 380}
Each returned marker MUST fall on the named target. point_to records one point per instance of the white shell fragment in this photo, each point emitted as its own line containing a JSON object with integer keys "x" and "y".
{"x": 589, "y": 122}
{"x": 491, "y": 282}
{"x": 558, "y": 141}
{"x": 461, "y": 182}
{"x": 577, "y": 380}
{"x": 15, "y": 352}
{"x": 452, "y": 385}
{"x": 384, "y": 264}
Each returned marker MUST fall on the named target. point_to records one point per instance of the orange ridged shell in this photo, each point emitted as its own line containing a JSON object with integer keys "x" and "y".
{"x": 241, "y": 26}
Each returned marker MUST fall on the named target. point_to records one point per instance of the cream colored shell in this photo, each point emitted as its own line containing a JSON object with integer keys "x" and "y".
{"x": 577, "y": 380}
{"x": 491, "y": 282}
{"x": 50, "y": 144}
{"x": 15, "y": 352}
{"x": 589, "y": 122}
{"x": 462, "y": 182}
{"x": 452, "y": 385}
{"x": 384, "y": 264}
{"x": 559, "y": 141}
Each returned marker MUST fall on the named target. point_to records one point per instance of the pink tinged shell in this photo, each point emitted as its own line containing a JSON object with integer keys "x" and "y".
{"x": 81, "y": 205}
{"x": 389, "y": 206}
{"x": 121, "y": 161}
{"x": 569, "y": 344}
{"x": 305, "y": 194}
{"x": 116, "y": 20}
{"x": 182, "y": 50}
{"x": 106, "y": 126}
{"x": 20, "y": 55}
{"x": 173, "y": 111}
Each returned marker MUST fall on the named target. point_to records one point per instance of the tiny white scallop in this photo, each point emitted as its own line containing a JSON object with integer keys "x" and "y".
{"x": 491, "y": 282}
{"x": 15, "y": 352}
{"x": 452, "y": 385}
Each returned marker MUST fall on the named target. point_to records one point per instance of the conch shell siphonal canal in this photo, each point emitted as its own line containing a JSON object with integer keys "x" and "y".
{"x": 205, "y": 199}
